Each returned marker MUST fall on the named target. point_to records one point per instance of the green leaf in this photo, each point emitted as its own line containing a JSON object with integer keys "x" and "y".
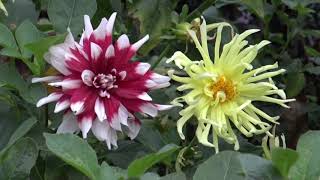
{"x": 9, "y": 122}
{"x": 17, "y": 162}
{"x": 256, "y": 6}
{"x": 160, "y": 11}
{"x": 174, "y": 176}
{"x": 19, "y": 11}
{"x": 6, "y": 37}
{"x": 283, "y": 159}
{"x": 121, "y": 157}
{"x": 293, "y": 4}
{"x": 230, "y": 165}
{"x": 26, "y": 33}
{"x": 150, "y": 137}
{"x": 313, "y": 70}
{"x": 20, "y": 132}
{"x": 64, "y": 14}
{"x": 150, "y": 176}
{"x": 295, "y": 82}
{"x": 74, "y": 151}
{"x": 10, "y": 77}
{"x": 139, "y": 166}
{"x": 40, "y": 47}
{"x": 312, "y": 52}
{"x": 307, "y": 166}
{"x": 56, "y": 169}
{"x": 11, "y": 52}
{"x": 111, "y": 173}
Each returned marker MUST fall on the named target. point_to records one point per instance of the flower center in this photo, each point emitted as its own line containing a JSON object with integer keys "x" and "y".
{"x": 104, "y": 81}
{"x": 223, "y": 89}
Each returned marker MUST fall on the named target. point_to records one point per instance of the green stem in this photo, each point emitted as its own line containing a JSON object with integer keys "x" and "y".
{"x": 198, "y": 11}
{"x": 38, "y": 173}
{"x": 164, "y": 52}
{"x": 46, "y": 116}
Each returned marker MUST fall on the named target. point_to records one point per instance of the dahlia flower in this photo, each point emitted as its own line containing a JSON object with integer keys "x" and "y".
{"x": 98, "y": 87}
{"x": 221, "y": 92}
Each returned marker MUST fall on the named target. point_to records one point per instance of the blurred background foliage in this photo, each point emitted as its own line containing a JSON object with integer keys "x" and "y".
{"x": 29, "y": 27}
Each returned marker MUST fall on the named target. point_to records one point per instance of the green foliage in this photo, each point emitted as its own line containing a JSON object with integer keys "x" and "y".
{"x": 6, "y": 37}
{"x": 15, "y": 14}
{"x": 69, "y": 14}
{"x": 235, "y": 166}
{"x": 40, "y": 47}
{"x": 160, "y": 11}
{"x": 112, "y": 173}
{"x": 19, "y": 133}
{"x": 29, "y": 149}
{"x": 307, "y": 165}
{"x": 17, "y": 162}
{"x": 75, "y": 152}
{"x": 283, "y": 159}
{"x": 256, "y": 6}
{"x": 139, "y": 166}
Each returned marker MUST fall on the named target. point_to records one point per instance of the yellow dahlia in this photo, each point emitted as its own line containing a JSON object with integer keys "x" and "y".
{"x": 221, "y": 92}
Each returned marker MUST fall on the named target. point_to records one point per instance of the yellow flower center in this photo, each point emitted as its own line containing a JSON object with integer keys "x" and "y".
{"x": 223, "y": 89}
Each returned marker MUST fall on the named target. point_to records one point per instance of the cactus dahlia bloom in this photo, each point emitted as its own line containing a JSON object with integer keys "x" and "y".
{"x": 221, "y": 92}
{"x": 98, "y": 87}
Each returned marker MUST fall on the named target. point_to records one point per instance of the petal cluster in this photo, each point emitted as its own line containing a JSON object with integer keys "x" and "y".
{"x": 220, "y": 93}
{"x": 99, "y": 87}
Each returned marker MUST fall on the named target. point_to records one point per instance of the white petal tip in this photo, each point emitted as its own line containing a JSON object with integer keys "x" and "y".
{"x": 164, "y": 107}
{"x": 111, "y": 23}
{"x": 110, "y": 52}
{"x": 145, "y": 96}
{"x": 139, "y": 43}
{"x": 142, "y": 68}
{"x": 123, "y": 42}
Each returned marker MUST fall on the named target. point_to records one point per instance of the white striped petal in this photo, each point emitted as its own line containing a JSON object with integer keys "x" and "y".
{"x": 159, "y": 86}
{"x": 69, "y": 124}
{"x": 144, "y": 96}
{"x": 111, "y": 23}
{"x": 109, "y": 52}
{"x": 159, "y": 78}
{"x": 100, "y": 110}
{"x": 87, "y": 77}
{"x": 123, "y": 74}
{"x": 77, "y": 107}
{"x": 134, "y": 128}
{"x": 123, "y": 42}
{"x": 142, "y": 68}
{"x": 123, "y": 115}
{"x": 115, "y": 123}
{"x": 85, "y": 125}
{"x": 67, "y": 84}
{"x": 95, "y": 51}
{"x": 45, "y": 79}
{"x": 139, "y": 43}
{"x": 103, "y": 132}
{"x": 60, "y": 106}
{"x": 149, "y": 83}
{"x": 87, "y": 26}
{"x": 51, "y": 98}
{"x": 149, "y": 109}
{"x": 163, "y": 107}
{"x": 101, "y": 31}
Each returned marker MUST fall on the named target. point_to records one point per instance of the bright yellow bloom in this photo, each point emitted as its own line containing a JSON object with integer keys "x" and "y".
{"x": 221, "y": 92}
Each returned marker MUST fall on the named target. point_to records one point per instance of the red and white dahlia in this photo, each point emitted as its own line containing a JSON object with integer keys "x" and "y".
{"x": 100, "y": 85}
